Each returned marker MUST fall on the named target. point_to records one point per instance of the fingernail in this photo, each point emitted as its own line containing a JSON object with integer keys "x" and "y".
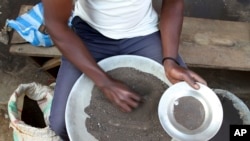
{"x": 196, "y": 86}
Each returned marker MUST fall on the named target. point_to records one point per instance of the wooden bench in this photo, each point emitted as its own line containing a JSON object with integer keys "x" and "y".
{"x": 204, "y": 43}
{"x": 21, "y": 47}
{"x": 216, "y": 44}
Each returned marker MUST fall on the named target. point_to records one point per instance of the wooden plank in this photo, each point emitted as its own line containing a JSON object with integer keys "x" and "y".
{"x": 54, "y": 62}
{"x": 216, "y": 44}
{"x": 29, "y": 50}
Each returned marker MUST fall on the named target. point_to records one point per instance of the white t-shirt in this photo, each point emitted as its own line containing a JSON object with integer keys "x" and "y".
{"x": 118, "y": 19}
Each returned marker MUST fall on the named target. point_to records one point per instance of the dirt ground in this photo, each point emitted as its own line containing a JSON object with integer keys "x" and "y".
{"x": 15, "y": 70}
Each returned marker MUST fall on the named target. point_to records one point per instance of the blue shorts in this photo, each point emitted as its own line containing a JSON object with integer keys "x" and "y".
{"x": 100, "y": 47}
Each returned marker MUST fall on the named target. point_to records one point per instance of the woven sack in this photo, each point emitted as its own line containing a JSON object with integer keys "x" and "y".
{"x": 22, "y": 131}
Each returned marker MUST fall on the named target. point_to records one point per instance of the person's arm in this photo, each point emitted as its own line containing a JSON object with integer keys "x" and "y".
{"x": 57, "y": 13}
{"x": 171, "y": 20}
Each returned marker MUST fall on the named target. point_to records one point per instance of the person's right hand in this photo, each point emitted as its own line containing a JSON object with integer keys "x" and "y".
{"x": 121, "y": 95}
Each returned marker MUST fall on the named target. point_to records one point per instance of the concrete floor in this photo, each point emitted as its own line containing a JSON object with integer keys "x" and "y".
{"x": 15, "y": 70}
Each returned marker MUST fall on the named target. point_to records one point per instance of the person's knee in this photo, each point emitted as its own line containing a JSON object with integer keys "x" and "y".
{"x": 59, "y": 127}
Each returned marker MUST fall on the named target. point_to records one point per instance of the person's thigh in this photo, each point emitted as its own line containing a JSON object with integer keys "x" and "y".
{"x": 98, "y": 45}
{"x": 148, "y": 46}
{"x": 66, "y": 78}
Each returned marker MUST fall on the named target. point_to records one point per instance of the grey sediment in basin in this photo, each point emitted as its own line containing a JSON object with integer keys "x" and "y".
{"x": 78, "y": 100}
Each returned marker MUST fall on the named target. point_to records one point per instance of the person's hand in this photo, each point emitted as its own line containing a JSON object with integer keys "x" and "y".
{"x": 121, "y": 95}
{"x": 176, "y": 73}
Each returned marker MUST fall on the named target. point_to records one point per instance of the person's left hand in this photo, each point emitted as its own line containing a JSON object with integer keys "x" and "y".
{"x": 176, "y": 73}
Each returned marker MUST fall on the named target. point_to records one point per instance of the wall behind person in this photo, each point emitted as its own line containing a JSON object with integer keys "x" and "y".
{"x": 230, "y": 10}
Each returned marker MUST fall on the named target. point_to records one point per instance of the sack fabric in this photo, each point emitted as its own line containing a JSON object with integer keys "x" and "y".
{"x": 27, "y": 25}
{"x": 31, "y": 26}
{"x": 24, "y": 132}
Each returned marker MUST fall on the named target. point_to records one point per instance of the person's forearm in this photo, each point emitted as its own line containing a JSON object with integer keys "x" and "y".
{"x": 57, "y": 13}
{"x": 72, "y": 47}
{"x": 170, "y": 26}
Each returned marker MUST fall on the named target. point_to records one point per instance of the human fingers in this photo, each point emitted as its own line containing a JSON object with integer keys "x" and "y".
{"x": 192, "y": 78}
{"x": 198, "y": 78}
{"x": 173, "y": 80}
{"x": 187, "y": 77}
{"x": 122, "y": 100}
{"x": 116, "y": 100}
{"x": 122, "y": 96}
{"x": 176, "y": 74}
{"x": 130, "y": 98}
{"x": 135, "y": 97}
{"x": 172, "y": 75}
{"x": 124, "y": 107}
{"x": 134, "y": 100}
